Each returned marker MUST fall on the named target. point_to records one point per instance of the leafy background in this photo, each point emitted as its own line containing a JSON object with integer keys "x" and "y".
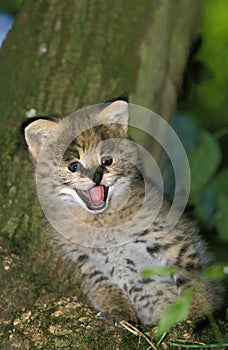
{"x": 202, "y": 125}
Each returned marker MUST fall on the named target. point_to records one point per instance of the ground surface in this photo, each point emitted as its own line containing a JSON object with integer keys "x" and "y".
{"x": 42, "y": 307}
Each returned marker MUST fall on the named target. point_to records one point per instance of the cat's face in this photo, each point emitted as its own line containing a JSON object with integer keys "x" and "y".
{"x": 97, "y": 168}
{"x": 92, "y": 172}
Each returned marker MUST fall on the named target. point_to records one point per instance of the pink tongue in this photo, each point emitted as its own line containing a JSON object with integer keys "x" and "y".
{"x": 96, "y": 195}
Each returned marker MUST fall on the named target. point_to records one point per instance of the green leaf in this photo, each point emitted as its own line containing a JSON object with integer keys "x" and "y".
{"x": 205, "y": 206}
{"x": 176, "y": 312}
{"x": 159, "y": 270}
{"x": 222, "y": 215}
{"x": 216, "y": 271}
{"x": 204, "y": 161}
{"x": 220, "y": 183}
{"x": 11, "y": 6}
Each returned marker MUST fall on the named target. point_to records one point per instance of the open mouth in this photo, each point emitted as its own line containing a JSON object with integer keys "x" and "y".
{"x": 95, "y": 197}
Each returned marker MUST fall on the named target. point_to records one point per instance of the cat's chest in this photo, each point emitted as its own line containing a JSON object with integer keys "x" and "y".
{"x": 127, "y": 260}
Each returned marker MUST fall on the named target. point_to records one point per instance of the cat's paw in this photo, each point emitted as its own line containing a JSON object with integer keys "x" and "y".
{"x": 113, "y": 303}
{"x": 116, "y": 315}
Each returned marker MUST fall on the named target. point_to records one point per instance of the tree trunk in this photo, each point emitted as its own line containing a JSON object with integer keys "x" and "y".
{"x": 164, "y": 54}
{"x": 62, "y": 55}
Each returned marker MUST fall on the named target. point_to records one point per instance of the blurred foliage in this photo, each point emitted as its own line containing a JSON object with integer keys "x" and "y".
{"x": 215, "y": 271}
{"x": 207, "y": 75}
{"x": 10, "y": 6}
{"x": 209, "y": 185}
{"x": 179, "y": 309}
{"x": 204, "y": 160}
{"x": 176, "y": 312}
{"x": 209, "y": 91}
{"x": 159, "y": 270}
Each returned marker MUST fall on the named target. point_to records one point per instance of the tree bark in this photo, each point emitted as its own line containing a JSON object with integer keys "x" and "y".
{"x": 59, "y": 56}
{"x": 164, "y": 54}
{"x": 62, "y": 55}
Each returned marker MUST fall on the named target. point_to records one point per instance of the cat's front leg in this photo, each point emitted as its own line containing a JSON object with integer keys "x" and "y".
{"x": 112, "y": 302}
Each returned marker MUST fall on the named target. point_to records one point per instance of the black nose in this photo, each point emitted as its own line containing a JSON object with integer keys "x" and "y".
{"x": 98, "y": 175}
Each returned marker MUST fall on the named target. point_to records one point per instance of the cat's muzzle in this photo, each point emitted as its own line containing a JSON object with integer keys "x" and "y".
{"x": 94, "y": 198}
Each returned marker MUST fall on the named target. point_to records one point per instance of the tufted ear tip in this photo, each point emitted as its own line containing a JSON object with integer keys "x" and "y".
{"x": 123, "y": 97}
{"x": 116, "y": 113}
{"x": 36, "y": 133}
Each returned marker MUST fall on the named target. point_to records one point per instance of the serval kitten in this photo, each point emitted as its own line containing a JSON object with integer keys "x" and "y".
{"x": 110, "y": 236}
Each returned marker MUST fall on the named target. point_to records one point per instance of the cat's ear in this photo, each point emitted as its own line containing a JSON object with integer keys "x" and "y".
{"x": 36, "y": 133}
{"x": 116, "y": 113}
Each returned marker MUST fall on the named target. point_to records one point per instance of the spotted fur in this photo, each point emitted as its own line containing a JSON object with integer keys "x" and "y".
{"x": 112, "y": 276}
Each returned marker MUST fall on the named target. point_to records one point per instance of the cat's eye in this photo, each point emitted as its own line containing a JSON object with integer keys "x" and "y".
{"x": 73, "y": 167}
{"x": 106, "y": 160}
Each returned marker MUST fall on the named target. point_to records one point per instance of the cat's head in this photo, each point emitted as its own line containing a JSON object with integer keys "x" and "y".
{"x": 98, "y": 166}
